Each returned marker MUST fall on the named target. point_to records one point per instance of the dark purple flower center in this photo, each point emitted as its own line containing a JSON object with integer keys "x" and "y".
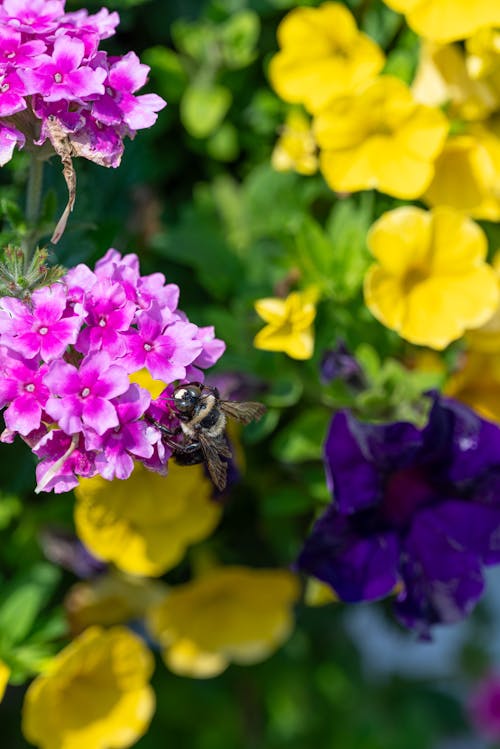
{"x": 405, "y": 491}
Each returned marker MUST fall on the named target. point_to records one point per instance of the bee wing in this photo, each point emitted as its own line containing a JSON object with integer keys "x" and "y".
{"x": 212, "y": 450}
{"x": 244, "y": 412}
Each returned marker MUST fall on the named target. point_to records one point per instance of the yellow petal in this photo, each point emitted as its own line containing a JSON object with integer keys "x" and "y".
{"x": 144, "y": 379}
{"x": 400, "y": 239}
{"x": 446, "y": 20}
{"x": 272, "y": 310}
{"x": 4, "y": 678}
{"x": 185, "y": 658}
{"x": 384, "y": 297}
{"x": 439, "y": 310}
{"x": 458, "y": 244}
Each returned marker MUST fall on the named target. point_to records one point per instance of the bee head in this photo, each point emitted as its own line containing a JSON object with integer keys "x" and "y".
{"x": 186, "y": 397}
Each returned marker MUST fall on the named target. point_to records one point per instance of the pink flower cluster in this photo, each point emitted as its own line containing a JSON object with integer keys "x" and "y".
{"x": 51, "y": 67}
{"x": 65, "y": 360}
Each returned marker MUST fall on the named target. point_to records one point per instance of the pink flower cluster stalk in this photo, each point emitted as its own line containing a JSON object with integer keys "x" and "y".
{"x": 51, "y": 67}
{"x": 65, "y": 360}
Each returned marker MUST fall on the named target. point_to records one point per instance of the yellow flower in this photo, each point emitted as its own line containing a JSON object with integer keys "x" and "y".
{"x": 431, "y": 281}
{"x": 483, "y": 57}
{"x": 296, "y": 147}
{"x": 446, "y": 20}
{"x": 143, "y": 379}
{"x": 467, "y": 174}
{"x": 144, "y": 524}
{"x": 381, "y": 138}
{"x": 477, "y": 384}
{"x": 289, "y": 327}
{"x": 323, "y": 55}
{"x": 486, "y": 339}
{"x": 230, "y": 614}
{"x": 4, "y": 678}
{"x": 318, "y": 593}
{"x": 95, "y": 694}
{"x": 443, "y": 78}
{"x": 110, "y": 599}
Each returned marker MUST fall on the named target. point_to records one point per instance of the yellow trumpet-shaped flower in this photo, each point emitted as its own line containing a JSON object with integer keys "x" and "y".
{"x": 477, "y": 383}
{"x": 483, "y": 57}
{"x": 381, "y": 138}
{"x": 323, "y": 55}
{"x": 296, "y": 147}
{"x": 467, "y": 174}
{"x": 230, "y": 614}
{"x": 289, "y": 324}
{"x": 486, "y": 339}
{"x": 446, "y": 20}
{"x": 95, "y": 694}
{"x": 431, "y": 281}
{"x": 144, "y": 524}
{"x": 111, "y": 599}
{"x": 443, "y": 78}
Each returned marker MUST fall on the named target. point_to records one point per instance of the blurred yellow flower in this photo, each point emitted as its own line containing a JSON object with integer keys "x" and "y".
{"x": 318, "y": 593}
{"x": 443, "y": 78}
{"x": 296, "y": 147}
{"x": 114, "y": 598}
{"x": 289, "y": 327}
{"x": 431, "y": 281}
{"x": 323, "y": 55}
{"x": 4, "y": 678}
{"x": 446, "y": 20}
{"x": 467, "y": 174}
{"x": 144, "y": 524}
{"x": 95, "y": 694}
{"x": 477, "y": 384}
{"x": 483, "y": 57}
{"x": 144, "y": 380}
{"x": 230, "y": 614}
{"x": 381, "y": 138}
{"x": 486, "y": 339}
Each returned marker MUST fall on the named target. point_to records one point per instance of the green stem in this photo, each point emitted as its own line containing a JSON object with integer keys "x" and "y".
{"x": 33, "y": 203}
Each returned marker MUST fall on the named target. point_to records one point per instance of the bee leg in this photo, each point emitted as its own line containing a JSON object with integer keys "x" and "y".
{"x": 164, "y": 429}
{"x": 188, "y": 449}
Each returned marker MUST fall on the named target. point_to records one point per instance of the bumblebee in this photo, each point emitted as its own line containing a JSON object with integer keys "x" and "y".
{"x": 203, "y": 416}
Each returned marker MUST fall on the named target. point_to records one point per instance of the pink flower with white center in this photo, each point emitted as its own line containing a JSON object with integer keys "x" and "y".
{"x": 117, "y": 446}
{"x": 32, "y": 16}
{"x": 9, "y": 139}
{"x": 109, "y": 315}
{"x": 22, "y": 386}
{"x": 153, "y": 288}
{"x": 62, "y": 75}
{"x": 126, "y": 76}
{"x": 65, "y": 460}
{"x": 81, "y": 398}
{"x": 113, "y": 261}
{"x": 15, "y": 53}
{"x": 12, "y": 93}
{"x": 42, "y": 330}
{"x": 164, "y": 351}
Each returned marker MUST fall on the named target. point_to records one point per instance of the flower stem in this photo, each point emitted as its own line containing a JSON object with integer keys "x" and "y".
{"x": 33, "y": 203}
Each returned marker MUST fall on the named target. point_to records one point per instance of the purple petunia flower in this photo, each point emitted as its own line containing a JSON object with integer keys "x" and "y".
{"x": 484, "y": 706}
{"x": 416, "y": 507}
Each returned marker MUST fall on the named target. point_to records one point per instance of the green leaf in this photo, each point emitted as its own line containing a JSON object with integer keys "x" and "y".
{"x": 194, "y": 39}
{"x": 10, "y": 508}
{"x": 287, "y": 501}
{"x": 347, "y": 227}
{"x": 166, "y": 66}
{"x": 223, "y": 145}
{"x": 303, "y": 439}
{"x": 23, "y": 600}
{"x": 259, "y": 430}
{"x": 285, "y": 392}
{"x": 239, "y": 39}
{"x": 203, "y": 107}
